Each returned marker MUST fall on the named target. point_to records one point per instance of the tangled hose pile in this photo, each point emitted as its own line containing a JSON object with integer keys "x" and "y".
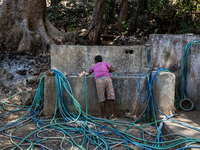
{"x": 79, "y": 130}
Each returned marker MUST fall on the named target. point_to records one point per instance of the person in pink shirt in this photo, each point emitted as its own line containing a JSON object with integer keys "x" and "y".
{"x": 104, "y": 84}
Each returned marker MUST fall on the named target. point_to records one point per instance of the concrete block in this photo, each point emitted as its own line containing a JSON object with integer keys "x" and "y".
{"x": 164, "y": 93}
{"x": 127, "y": 60}
{"x": 126, "y": 91}
{"x": 49, "y": 95}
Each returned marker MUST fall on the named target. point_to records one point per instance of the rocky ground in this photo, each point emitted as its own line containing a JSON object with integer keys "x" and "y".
{"x": 21, "y": 73}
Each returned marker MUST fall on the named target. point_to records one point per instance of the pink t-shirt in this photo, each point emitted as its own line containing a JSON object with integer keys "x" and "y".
{"x": 100, "y": 69}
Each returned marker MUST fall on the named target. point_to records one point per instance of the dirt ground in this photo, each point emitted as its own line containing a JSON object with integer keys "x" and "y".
{"x": 27, "y": 129}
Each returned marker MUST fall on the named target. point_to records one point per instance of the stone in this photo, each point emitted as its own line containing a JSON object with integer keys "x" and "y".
{"x": 5, "y": 90}
{"x": 5, "y": 76}
{"x": 32, "y": 79}
{"x": 1, "y": 57}
{"x": 32, "y": 62}
{"x": 1, "y": 86}
{"x": 21, "y": 72}
{"x": 18, "y": 57}
{"x": 9, "y": 76}
{"x": 50, "y": 73}
{"x": 34, "y": 71}
{"x": 27, "y": 98}
{"x": 2, "y": 72}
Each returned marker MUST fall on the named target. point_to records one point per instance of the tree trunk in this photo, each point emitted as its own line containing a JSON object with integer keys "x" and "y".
{"x": 145, "y": 5}
{"x": 94, "y": 30}
{"x": 54, "y": 3}
{"x": 111, "y": 11}
{"x": 122, "y": 16}
{"x": 25, "y": 25}
{"x": 135, "y": 19}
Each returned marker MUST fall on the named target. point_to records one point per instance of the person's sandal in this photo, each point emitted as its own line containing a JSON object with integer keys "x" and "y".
{"x": 113, "y": 118}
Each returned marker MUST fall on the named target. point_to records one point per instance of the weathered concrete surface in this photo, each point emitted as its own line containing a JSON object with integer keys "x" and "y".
{"x": 193, "y": 75}
{"x": 49, "y": 96}
{"x": 164, "y": 93}
{"x": 126, "y": 89}
{"x": 190, "y": 118}
{"x": 168, "y": 50}
{"x": 127, "y": 60}
{"x": 168, "y": 53}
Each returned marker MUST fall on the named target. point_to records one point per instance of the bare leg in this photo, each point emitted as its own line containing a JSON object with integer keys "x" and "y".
{"x": 112, "y": 107}
{"x": 103, "y": 109}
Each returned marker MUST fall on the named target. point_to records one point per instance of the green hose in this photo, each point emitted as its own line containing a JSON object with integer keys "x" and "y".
{"x": 93, "y": 131}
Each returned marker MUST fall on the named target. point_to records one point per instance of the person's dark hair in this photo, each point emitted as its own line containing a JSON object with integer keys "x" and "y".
{"x": 98, "y": 58}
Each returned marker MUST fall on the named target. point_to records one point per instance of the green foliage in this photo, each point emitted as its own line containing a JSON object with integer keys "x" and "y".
{"x": 182, "y": 15}
{"x": 156, "y": 16}
{"x": 72, "y": 16}
{"x": 108, "y": 8}
{"x": 125, "y": 26}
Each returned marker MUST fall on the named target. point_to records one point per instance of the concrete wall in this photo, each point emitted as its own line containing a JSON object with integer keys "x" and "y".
{"x": 168, "y": 50}
{"x": 127, "y": 60}
{"x": 193, "y": 75}
{"x": 130, "y": 62}
{"x": 168, "y": 53}
{"x": 126, "y": 90}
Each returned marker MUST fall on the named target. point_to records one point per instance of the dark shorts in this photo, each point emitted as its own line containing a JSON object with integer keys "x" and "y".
{"x": 104, "y": 88}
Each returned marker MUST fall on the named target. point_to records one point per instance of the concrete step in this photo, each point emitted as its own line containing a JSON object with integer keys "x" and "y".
{"x": 190, "y": 118}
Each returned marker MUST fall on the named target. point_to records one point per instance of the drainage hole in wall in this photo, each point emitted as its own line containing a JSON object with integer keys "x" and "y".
{"x": 128, "y": 51}
{"x": 131, "y": 51}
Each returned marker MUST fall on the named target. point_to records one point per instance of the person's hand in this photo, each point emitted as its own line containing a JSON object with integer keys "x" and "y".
{"x": 86, "y": 73}
{"x": 111, "y": 69}
{"x": 83, "y": 73}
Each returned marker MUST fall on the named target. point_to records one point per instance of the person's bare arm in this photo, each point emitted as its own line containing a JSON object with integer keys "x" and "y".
{"x": 111, "y": 69}
{"x": 90, "y": 72}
